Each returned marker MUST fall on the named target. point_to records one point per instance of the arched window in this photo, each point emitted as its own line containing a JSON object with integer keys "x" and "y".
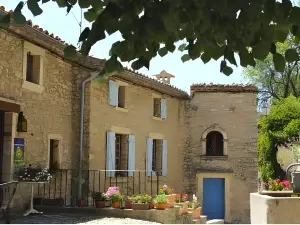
{"x": 214, "y": 144}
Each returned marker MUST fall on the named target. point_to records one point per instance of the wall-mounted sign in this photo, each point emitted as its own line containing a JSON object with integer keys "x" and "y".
{"x": 19, "y": 150}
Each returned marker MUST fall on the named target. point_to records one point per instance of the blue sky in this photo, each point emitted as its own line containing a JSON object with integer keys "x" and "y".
{"x": 56, "y": 21}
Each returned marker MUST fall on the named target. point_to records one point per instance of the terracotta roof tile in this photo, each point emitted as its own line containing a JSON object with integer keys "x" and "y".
{"x": 223, "y": 88}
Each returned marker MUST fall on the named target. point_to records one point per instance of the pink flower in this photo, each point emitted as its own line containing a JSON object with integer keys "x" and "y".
{"x": 111, "y": 191}
{"x": 286, "y": 184}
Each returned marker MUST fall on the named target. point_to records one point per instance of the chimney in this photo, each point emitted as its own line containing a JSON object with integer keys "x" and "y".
{"x": 164, "y": 77}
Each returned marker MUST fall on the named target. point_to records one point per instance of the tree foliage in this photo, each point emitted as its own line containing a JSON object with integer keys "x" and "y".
{"x": 273, "y": 84}
{"x": 280, "y": 128}
{"x": 209, "y": 29}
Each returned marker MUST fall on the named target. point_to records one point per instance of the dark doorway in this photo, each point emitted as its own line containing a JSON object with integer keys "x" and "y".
{"x": 2, "y": 114}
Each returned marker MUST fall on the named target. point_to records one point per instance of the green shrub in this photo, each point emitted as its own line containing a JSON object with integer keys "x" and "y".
{"x": 161, "y": 199}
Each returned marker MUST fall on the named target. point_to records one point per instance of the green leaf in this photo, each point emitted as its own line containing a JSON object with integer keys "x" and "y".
{"x": 185, "y": 58}
{"x": 112, "y": 66}
{"x": 84, "y": 34}
{"x": 17, "y": 14}
{"x": 246, "y": 58}
{"x": 138, "y": 64}
{"x": 85, "y": 48}
{"x": 205, "y": 57}
{"x": 182, "y": 47}
{"x": 229, "y": 55}
{"x": 227, "y": 70}
{"x": 279, "y": 62}
{"x": 261, "y": 50}
{"x": 70, "y": 52}
{"x": 222, "y": 65}
{"x": 5, "y": 21}
{"x": 273, "y": 48}
{"x": 84, "y": 3}
{"x": 163, "y": 51}
{"x": 61, "y": 3}
{"x": 291, "y": 55}
{"x": 91, "y": 15}
{"x": 34, "y": 7}
{"x": 45, "y": 1}
{"x": 295, "y": 15}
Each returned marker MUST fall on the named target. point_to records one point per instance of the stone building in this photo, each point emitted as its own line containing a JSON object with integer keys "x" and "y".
{"x": 147, "y": 130}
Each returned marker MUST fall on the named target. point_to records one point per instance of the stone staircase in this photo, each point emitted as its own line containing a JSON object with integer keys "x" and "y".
{"x": 188, "y": 217}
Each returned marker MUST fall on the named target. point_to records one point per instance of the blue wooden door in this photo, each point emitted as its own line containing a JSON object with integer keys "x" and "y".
{"x": 214, "y": 198}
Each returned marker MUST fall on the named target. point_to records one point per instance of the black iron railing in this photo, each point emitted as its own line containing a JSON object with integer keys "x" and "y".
{"x": 7, "y": 191}
{"x": 64, "y": 184}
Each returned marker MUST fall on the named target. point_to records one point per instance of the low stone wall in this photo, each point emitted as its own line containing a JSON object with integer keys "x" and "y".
{"x": 265, "y": 209}
{"x": 168, "y": 216}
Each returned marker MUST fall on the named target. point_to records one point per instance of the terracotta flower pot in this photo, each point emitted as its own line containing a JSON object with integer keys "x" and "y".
{"x": 197, "y": 213}
{"x": 184, "y": 209}
{"x": 151, "y": 205}
{"x": 80, "y": 203}
{"x": 128, "y": 204}
{"x": 161, "y": 206}
{"x": 171, "y": 199}
{"x": 100, "y": 204}
{"x": 136, "y": 206}
{"x": 115, "y": 204}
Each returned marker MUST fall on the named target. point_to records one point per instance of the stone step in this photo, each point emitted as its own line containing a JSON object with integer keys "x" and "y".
{"x": 215, "y": 221}
{"x": 201, "y": 220}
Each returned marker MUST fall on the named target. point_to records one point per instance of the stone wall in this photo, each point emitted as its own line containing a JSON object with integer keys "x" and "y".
{"x": 235, "y": 115}
{"x": 55, "y": 111}
{"x": 137, "y": 120}
{"x": 274, "y": 210}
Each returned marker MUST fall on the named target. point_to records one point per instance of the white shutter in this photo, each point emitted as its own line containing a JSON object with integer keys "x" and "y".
{"x": 110, "y": 153}
{"x": 113, "y": 93}
{"x": 163, "y": 108}
{"x": 149, "y": 156}
{"x": 164, "y": 157}
{"x": 131, "y": 154}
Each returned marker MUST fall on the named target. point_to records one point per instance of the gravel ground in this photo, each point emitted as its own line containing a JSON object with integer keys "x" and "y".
{"x": 70, "y": 218}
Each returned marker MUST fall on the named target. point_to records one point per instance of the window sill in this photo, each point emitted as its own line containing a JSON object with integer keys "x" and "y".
{"x": 157, "y": 118}
{"x": 121, "y": 109}
{"x": 33, "y": 87}
{"x": 208, "y": 157}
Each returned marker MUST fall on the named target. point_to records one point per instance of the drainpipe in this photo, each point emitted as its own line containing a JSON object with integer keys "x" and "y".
{"x": 93, "y": 75}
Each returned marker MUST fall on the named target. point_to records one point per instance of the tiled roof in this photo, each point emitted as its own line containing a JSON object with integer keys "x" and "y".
{"x": 127, "y": 75}
{"x": 223, "y": 88}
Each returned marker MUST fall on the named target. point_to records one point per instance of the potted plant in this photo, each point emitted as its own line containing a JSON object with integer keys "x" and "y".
{"x": 194, "y": 208}
{"x": 33, "y": 173}
{"x": 166, "y": 190}
{"x": 180, "y": 199}
{"x": 99, "y": 199}
{"x": 161, "y": 202}
{"x": 128, "y": 202}
{"x": 141, "y": 202}
{"x": 114, "y": 195}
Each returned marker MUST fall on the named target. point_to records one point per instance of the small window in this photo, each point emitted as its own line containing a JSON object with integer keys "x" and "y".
{"x": 54, "y": 155}
{"x": 121, "y": 155}
{"x": 157, "y": 156}
{"x": 157, "y": 107}
{"x": 214, "y": 144}
{"x": 121, "y": 97}
{"x": 33, "y": 68}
